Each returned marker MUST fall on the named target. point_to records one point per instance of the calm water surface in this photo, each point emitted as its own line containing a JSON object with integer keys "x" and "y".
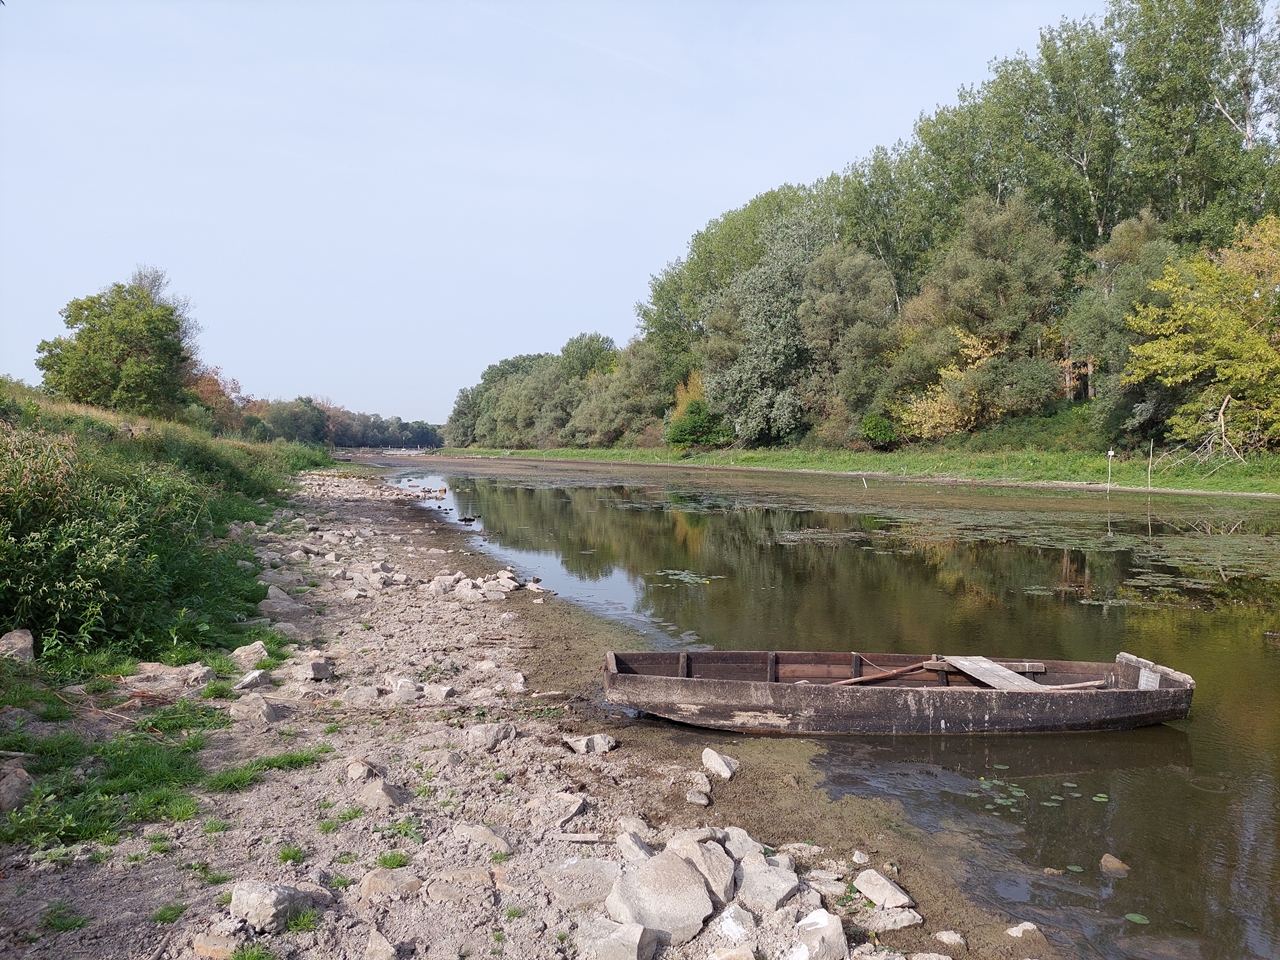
{"x": 794, "y": 562}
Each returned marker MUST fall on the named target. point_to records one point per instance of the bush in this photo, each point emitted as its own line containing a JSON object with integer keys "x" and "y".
{"x": 879, "y": 432}
{"x": 699, "y": 427}
{"x": 105, "y": 533}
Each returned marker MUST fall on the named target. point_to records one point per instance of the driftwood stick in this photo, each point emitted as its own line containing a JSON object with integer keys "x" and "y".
{"x": 1082, "y": 685}
{"x": 873, "y": 677}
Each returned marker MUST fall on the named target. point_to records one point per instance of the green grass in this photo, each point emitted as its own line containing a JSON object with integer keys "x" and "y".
{"x": 993, "y": 458}
{"x": 252, "y": 951}
{"x": 393, "y": 860}
{"x": 292, "y": 854}
{"x": 304, "y": 921}
{"x": 339, "y": 882}
{"x": 351, "y": 813}
{"x": 169, "y": 912}
{"x": 217, "y": 690}
{"x": 214, "y": 825}
{"x": 246, "y": 775}
{"x": 133, "y": 778}
{"x": 328, "y": 826}
{"x": 183, "y": 716}
{"x": 59, "y": 916}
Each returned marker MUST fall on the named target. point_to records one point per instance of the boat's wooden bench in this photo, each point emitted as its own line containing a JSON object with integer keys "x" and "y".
{"x": 995, "y": 674}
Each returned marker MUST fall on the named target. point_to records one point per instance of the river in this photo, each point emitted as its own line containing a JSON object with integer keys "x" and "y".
{"x": 699, "y": 559}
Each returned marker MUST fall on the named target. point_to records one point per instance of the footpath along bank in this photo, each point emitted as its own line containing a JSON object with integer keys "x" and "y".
{"x": 471, "y": 800}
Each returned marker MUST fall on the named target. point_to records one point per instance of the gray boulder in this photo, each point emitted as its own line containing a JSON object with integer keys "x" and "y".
{"x": 266, "y": 907}
{"x": 18, "y": 644}
{"x": 581, "y": 883}
{"x": 710, "y": 860}
{"x": 664, "y": 894}
{"x": 719, "y": 765}
{"x": 881, "y": 891}
{"x": 822, "y": 936}
{"x": 762, "y": 889}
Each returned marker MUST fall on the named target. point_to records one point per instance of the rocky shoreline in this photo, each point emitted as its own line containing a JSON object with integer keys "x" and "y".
{"x": 461, "y": 805}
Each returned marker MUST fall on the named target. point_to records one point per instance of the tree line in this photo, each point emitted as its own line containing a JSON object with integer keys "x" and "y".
{"x": 1092, "y": 228}
{"x": 132, "y": 348}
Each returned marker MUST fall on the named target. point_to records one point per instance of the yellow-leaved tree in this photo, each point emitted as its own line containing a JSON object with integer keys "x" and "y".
{"x": 1218, "y": 341}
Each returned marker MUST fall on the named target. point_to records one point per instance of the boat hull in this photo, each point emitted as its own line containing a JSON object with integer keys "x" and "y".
{"x": 751, "y": 706}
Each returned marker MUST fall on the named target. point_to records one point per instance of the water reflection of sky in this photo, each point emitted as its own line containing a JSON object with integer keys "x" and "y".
{"x": 1194, "y": 811}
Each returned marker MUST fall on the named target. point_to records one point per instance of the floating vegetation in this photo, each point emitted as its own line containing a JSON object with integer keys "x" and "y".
{"x": 1075, "y": 868}
{"x": 1054, "y": 796}
{"x": 1136, "y": 918}
{"x": 1000, "y": 766}
{"x": 1068, "y": 783}
{"x": 688, "y": 576}
{"x": 1101, "y": 798}
{"x": 1049, "y": 803}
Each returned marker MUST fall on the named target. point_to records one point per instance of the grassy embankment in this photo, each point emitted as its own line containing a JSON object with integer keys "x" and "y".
{"x": 1060, "y": 448}
{"x": 110, "y": 554}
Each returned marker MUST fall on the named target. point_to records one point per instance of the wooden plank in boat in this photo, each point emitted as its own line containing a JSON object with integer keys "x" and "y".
{"x": 993, "y": 674}
{"x": 1022, "y": 666}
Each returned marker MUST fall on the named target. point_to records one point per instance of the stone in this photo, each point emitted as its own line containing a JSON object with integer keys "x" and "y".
{"x": 710, "y": 860}
{"x": 1025, "y": 927}
{"x": 213, "y": 945}
{"x": 860, "y": 858}
{"x": 478, "y": 833}
{"x": 381, "y": 795}
{"x": 744, "y": 952}
{"x": 581, "y": 883}
{"x": 636, "y": 825}
{"x": 596, "y": 743}
{"x": 438, "y": 692}
{"x": 698, "y": 798}
{"x": 892, "y": 918}
{"x": 719, "y": 765}
{"x": 360, "y": 770}
{"x": 249, "y": 655}
{"x": 19, "y": 645}
{"x": 359, "y": 696}
{"x": 400, "y": 882}
{"x": 735, "y": 924}
{"x": 405, "y": 690}
{"x": 254, "y": 678}
{"x": 632, "y": 847}
{"x": 822, "y": 936}
{"x": 700, "y": 781}
{"x": 164, "y": 681}
{"x": 297, "y": 556}
{"x": 606, "y": 940}
{"x": 951, "y": 938}
{"x": 468, "y": 885}
{"x": 739, "y": 843}
{"x": 928, "y": 956}
{"x": 254, "y": 709}
{"x": 783, "y": 860}
{"x": 354, "y": 594}
{"x": 664, "y": 894}
{"x": 881, "y": 891}
{"x": 289, "y": 630}
{"x": 1113, "y": 866}
{"x": 379, "y": 947}
{"x": 762, "y": 888}
{"x": 313, "y": 670}
{"x": 15, "y": 786}
{"x": 381, "y": 566}
{"x": 266, "y": 906}
{"x": 488, "y": 736}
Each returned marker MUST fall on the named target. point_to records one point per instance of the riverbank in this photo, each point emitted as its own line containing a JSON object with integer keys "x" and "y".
{"x": 1033, "y": 468}
{"x": 406, "y": 775}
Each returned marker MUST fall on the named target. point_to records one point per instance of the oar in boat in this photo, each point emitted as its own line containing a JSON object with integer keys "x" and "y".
{"x": 887, "y": 675}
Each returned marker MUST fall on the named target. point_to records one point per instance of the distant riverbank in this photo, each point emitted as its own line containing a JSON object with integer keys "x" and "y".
{"x": 1258, "y": 476}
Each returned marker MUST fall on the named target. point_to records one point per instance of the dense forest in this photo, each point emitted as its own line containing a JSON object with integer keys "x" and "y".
{"x": 132, "y": 348}
{"x": 1089, "y": 235}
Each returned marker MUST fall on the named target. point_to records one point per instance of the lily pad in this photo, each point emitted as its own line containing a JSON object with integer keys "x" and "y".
{"x": 1069, "y": 784}
{"x": 1074, "y": 868}
{"x": 1000, "y": 766}
{"x": 1054, "y": 796}
{"x": 1136, "y": 918}
{"x": 1049, "y": 803}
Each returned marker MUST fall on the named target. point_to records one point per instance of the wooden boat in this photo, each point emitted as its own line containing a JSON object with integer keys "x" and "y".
{"x": 795, "y": 692}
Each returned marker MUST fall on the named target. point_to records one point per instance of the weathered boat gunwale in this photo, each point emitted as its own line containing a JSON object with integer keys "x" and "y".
{"x": 893, "y": 707}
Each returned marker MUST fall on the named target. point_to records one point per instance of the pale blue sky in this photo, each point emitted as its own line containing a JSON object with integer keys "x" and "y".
{"x": 371, "y": 201}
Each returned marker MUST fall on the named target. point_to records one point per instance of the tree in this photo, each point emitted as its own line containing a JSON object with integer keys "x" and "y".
{"x": 985, "y": 324}
{"x": 127, "y": 349}
{"x": 1218, "y": 339}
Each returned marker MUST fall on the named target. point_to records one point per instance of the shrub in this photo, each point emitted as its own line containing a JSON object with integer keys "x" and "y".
{"x": 879, "y": 432}
{"x": 699, "y": 427}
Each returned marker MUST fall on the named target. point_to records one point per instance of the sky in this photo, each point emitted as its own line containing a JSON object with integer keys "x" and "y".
{"x": 369, "y": 202}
